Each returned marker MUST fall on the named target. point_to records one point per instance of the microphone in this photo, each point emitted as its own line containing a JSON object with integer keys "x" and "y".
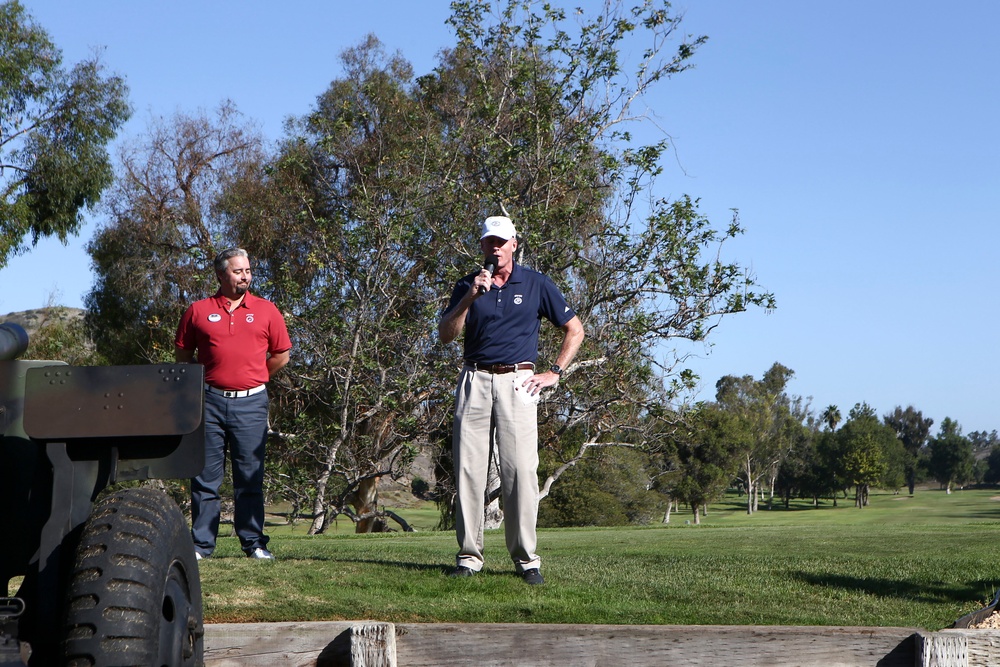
{"x": 490, "y": 266}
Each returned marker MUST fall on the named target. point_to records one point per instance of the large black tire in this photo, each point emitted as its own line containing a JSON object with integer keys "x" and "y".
{"x": 134, "y": 595}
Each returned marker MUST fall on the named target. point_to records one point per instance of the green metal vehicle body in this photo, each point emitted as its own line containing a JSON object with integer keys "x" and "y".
{"x": 97, "y": 582}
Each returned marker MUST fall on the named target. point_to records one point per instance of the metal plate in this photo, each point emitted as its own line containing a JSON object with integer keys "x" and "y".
{"x": 67, "y": 402}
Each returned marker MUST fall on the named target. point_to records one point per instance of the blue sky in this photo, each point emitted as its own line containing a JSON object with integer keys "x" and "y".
{"x": 858, "y": 140}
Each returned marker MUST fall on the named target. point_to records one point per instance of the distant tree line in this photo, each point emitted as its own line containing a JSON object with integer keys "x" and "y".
{"x": 772, "y": 448}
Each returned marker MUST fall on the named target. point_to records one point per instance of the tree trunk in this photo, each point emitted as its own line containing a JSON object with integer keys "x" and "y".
{"x": 319, "y": 504}
{"x": 666, "y": 515}
{"x": 365, "y": 502}
{"x": 329, "y": 517}
{"x": 400, "y": 520}
{"x": 697, "y": 513}
{"x": 319, "y": 515}
{"x": 860, "y": 496}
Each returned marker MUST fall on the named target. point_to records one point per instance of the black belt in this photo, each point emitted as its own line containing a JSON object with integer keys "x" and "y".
{"x": 500, "y": 368}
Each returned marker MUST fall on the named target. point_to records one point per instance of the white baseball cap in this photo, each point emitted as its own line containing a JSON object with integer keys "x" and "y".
{"x": 500, "y": 226}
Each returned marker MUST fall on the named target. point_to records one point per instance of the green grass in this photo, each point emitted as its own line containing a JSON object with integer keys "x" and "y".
{"x": 910, "y": 562}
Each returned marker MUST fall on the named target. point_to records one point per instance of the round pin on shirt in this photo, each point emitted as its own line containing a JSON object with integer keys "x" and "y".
{"x": 214, "y": 317}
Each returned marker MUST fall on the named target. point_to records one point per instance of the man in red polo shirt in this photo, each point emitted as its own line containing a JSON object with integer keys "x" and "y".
{"x": 242, "y": 341}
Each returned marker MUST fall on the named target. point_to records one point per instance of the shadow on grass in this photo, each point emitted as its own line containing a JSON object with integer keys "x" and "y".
{"x": 380, "y": 562}
{"x": 935, "y": 593}
{"x": 487, "y": 572}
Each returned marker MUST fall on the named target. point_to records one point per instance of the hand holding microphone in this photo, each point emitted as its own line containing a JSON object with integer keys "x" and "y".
{"x": 490, "y": 267}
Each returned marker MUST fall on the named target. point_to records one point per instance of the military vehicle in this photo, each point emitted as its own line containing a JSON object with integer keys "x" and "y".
{"x": 104, "y": 576}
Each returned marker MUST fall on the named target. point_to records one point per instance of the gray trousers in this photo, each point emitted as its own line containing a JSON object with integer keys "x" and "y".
{"x": 488, "y": 414}
{"x": 238, "y": 425}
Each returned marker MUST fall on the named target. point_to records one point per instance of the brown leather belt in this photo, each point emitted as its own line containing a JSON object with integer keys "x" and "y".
{"x": 500, "y": 368}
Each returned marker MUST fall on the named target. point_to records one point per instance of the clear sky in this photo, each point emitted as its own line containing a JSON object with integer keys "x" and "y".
{"x": 859, "y": 141}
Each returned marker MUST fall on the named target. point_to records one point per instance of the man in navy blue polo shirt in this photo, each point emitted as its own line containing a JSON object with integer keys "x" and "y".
{"x": 497, "y": 395}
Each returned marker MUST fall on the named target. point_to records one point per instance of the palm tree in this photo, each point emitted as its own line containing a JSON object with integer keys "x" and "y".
{"x": 831, "y": 416}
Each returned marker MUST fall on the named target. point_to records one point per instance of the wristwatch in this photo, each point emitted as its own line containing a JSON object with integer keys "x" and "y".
{"x": 556, "y": 369}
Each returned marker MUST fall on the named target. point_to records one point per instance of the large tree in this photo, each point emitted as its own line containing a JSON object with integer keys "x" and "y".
{"x": 812, "y": 468}
{"x": 951, "y": 458}
{"x": 55, "y": 125}
{"x": 350, "y": 247}
{"x": 153, "y": 255}
{"x": 557, "y": 150}
{"x": 384, "y": 184}
{"x": 763, "y": 411}
{"x": 705, "y": 458}
{"x": 870, "y": 452}
{"x": 367, "y": 215}
{"x": 832, "y": 477}
{"x": 992, "y": 474}
{"x": 912, "y": 429}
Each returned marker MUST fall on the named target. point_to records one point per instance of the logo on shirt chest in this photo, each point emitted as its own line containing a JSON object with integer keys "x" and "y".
{"x": 215, "y": 317}
{"x": 518, "y": 298}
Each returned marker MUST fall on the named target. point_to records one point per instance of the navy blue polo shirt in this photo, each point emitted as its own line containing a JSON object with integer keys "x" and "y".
{"x": 502, "y": 325}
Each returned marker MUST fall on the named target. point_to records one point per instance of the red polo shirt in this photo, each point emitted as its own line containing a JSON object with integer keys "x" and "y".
{"x": 233, "y": 347}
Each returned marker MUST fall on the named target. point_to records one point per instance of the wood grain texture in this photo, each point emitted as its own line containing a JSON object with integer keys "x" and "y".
{"x": 331, "y": 644}
{"x": 677, "y": 646}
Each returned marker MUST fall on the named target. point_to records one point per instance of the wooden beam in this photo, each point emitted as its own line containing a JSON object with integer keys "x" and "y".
{"x": 369, "y": 644}
{"x": 326, "y": 643}
{"x": 639, "y": 645}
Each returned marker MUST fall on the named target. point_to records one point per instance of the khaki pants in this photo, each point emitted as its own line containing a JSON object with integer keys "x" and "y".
{"x": 489, "y": 414}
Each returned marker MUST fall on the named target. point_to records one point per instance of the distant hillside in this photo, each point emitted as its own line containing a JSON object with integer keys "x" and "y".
{"x": 56, "y": 333}
{"x": 31, "y": 320}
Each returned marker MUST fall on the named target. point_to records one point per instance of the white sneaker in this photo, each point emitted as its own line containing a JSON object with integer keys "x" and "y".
{"x": 260, "y": 553}
{"x": 197, "y": 556}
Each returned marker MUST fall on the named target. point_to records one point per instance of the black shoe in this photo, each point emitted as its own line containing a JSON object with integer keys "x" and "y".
{"x": 462, "y": 571}
{"x": 532, "y": 577}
